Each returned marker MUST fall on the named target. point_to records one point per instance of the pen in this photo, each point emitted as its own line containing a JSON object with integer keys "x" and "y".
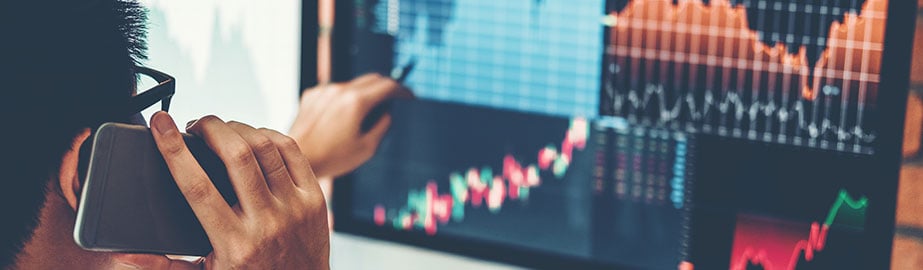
{"x": 400, "y": 75}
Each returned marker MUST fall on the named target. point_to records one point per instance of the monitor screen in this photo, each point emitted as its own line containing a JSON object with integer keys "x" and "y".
{"x": 239, "y": 60}
{"x": 654, "y": 134}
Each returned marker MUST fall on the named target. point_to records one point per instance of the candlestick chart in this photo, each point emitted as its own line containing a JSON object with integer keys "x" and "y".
{"x": 492, "y": 175}
{"x": 571, "y": 186}
{"x": 480, "y": 187}
{"x": 707, "y": 68}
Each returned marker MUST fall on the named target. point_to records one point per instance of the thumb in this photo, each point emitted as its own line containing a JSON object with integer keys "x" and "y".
{"x": 378, "y": 131}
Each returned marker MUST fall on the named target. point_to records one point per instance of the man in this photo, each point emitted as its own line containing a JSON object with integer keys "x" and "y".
{"x": 67, "y": 66}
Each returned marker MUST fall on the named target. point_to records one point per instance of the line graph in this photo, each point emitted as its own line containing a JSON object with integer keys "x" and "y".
{"x": 775, "y": 244}
{"x": 700, "y": 67}
{"x": 427, "y": 208}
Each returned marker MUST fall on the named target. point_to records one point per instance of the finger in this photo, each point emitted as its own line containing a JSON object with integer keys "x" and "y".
{"x": 237, "y": 155}
{"x": 297, "y": 164}
{"x": 376, "y": 133}
{"x": 382, "y": 90}
{"x": 210, "y": 208}
{"x": 364, "y": 80}
{"x": 268, "y": 157}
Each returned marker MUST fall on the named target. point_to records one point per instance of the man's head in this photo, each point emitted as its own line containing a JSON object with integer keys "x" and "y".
{"x": 65, "y": 66}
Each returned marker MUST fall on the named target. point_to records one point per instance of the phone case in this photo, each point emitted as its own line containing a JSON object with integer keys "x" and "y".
{"x": 130, "y": 202}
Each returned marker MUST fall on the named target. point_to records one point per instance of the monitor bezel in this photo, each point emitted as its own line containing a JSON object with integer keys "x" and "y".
{"x": 309, "y": 32}
{"x": 895, "y": 77}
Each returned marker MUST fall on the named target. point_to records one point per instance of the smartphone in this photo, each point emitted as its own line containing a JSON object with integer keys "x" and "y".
{"x": 130, "y": 202}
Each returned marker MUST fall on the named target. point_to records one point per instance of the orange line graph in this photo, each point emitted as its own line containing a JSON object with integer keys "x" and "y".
{"x": 717, "y": 34}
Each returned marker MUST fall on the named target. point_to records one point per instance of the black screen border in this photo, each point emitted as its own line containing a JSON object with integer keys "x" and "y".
{"x": 894, "y": 83}
{"x": 309, "y": 33}
{"x": 893, "y": 90}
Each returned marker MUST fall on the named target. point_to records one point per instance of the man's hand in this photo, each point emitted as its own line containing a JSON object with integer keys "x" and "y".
{"x": 328, "y": 125}
{"x": 280, "y": 221}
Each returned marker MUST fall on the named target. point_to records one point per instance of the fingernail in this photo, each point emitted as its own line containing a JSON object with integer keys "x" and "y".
{"x": 191, "y": 123}
{"x": 162, "y": 123}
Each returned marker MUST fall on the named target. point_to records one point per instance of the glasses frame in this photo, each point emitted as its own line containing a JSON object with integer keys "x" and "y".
{"x": 162, "y": 92}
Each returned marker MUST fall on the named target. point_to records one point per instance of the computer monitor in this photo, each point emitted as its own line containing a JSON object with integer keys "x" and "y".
{"x": 237, "y": 60}
{"x": 653, "y": 134}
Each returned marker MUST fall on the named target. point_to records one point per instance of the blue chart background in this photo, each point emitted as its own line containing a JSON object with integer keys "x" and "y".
{"x": 532, "y": 56}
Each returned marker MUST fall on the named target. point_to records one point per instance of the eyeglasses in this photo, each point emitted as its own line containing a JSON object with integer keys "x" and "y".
{"x": 162, "y": 92}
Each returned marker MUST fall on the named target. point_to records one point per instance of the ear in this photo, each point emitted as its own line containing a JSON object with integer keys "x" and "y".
{"x": 68, "y": 176}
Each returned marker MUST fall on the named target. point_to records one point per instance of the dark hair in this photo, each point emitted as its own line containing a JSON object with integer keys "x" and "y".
{"x": 65, "y": 65}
